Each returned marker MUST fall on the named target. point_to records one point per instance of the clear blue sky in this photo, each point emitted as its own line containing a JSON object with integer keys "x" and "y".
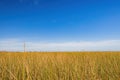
{"x": 60, "y": 20}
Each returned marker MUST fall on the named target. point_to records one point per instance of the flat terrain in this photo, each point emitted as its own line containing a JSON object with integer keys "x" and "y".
{"x": 60, "y": 66}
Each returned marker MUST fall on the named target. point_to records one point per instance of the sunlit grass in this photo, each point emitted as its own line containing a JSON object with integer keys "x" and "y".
{"x": 60, "y": 66}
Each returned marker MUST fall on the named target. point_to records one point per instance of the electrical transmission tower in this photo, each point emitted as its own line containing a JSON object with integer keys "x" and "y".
{"x": 24, "y": 47}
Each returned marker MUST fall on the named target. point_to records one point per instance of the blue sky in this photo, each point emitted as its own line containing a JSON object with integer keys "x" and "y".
{"x": 59, "y": 21}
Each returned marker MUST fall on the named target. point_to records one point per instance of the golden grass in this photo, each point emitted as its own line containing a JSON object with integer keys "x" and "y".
{"x": 60, "y": 66}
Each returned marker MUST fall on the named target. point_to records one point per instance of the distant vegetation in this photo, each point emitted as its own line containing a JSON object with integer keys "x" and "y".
{"x": 60, "y": 66}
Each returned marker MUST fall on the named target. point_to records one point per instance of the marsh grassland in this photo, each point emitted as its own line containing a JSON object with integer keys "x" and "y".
{"x": 60, "y": 66}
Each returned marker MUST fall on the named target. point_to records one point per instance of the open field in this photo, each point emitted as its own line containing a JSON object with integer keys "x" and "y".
{"x": 60, "y": 66}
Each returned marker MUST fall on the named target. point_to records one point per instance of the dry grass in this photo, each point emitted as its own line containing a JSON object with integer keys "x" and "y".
{"x": 60, "y": 66}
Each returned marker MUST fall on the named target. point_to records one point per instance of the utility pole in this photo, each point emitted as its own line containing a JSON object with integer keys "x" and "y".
{"x": 24, "y": 47}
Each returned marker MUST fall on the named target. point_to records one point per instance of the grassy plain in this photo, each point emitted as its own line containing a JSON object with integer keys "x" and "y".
{"x": 60, "y": 66}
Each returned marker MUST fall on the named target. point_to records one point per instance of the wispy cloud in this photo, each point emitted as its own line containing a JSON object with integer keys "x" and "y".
{"x": 103, "y": 45}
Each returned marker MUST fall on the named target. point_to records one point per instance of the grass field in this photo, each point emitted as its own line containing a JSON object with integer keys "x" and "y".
{"x": 60, "y": 66}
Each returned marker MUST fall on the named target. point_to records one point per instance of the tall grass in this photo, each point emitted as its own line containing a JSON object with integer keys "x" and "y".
{"x": 60, "y": 66}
